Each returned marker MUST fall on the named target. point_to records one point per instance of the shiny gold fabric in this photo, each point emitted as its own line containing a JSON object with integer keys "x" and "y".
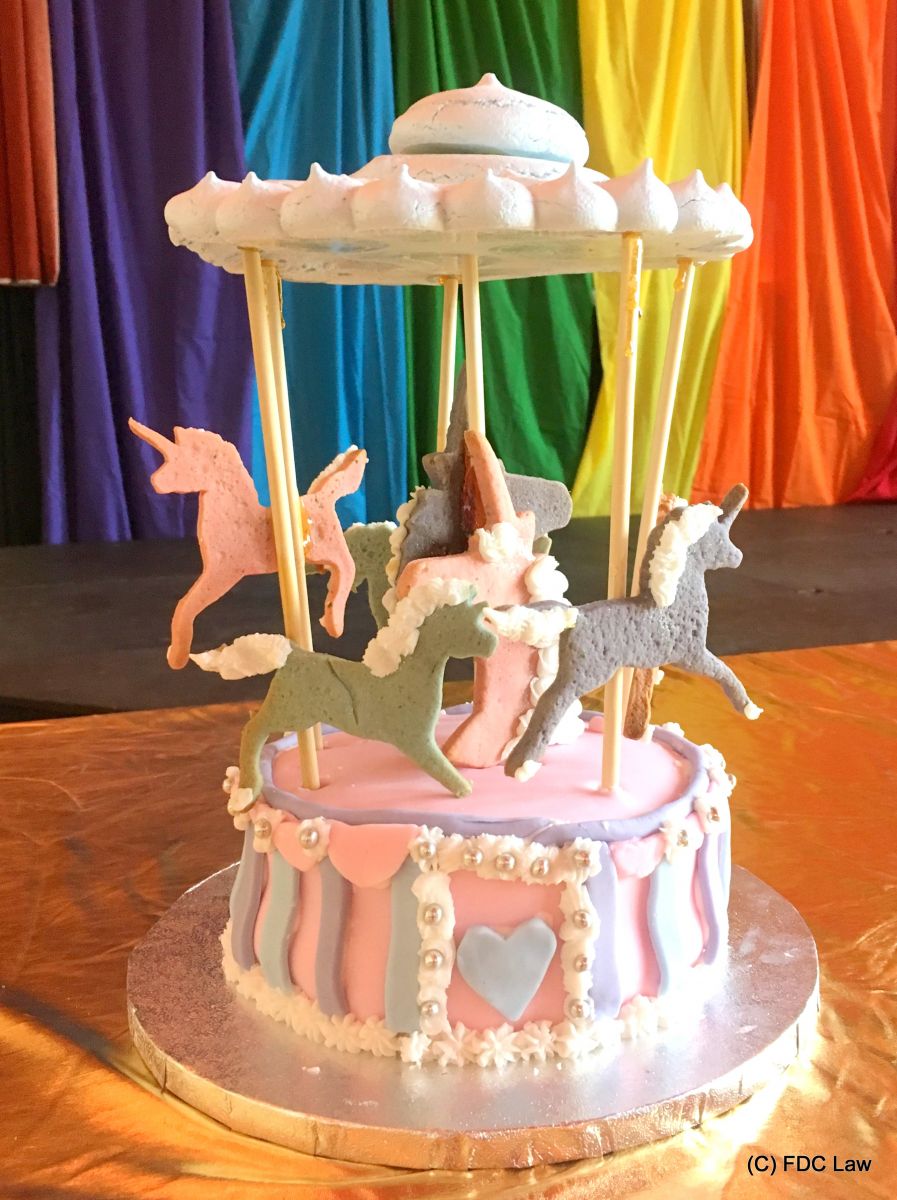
{"x": 109, "y": 819}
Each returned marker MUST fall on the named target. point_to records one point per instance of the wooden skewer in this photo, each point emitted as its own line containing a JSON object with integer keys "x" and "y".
{"x": 473, "y": 343}
{"x": 274, "y": 307}
{"x": 618, "y": 559}
{"x": 280, "y": 496}
{"x": 447, "y": 358}
{"x": 660, "y": 435}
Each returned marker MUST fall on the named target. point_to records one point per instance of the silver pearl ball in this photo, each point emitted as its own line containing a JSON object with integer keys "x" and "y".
{"x": 309, "y": 838}
{"x": 433, "y": 959}
{"x": 580, "y": 963}
{"x": 472, "y": 857}
{"x": 429, "y": 1008}
{"x": 713, "y": 813}
{"x": 540, "y": 867}
{"x": 682, "y": 839}
{"x": 582, "y": 919}
{"x": 582, "y": 859}
{"x": 426, "y": 851}
{"x": 263, "y": 828}
{"x": 432, "y": 914}
{"x": 578, "y": 1010}
{"x": 505, "y": 863}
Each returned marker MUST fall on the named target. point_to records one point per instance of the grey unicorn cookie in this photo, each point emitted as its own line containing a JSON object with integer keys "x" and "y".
{"x": 665, "y": 624}
{"x": 435, "y": 524}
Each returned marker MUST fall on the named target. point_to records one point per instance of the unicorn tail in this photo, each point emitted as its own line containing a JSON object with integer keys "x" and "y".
{"x": 252, "y": 654}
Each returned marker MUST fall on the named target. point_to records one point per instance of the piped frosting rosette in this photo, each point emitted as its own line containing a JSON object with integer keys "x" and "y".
{"x": 483, "y": 170}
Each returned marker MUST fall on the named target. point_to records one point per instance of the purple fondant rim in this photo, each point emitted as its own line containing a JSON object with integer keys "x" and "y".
{"x": 540, "y": 829}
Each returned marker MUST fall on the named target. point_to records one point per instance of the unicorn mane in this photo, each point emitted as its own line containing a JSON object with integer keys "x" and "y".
{"x": 398, "y": 637}
{"x": 686, "y": 524}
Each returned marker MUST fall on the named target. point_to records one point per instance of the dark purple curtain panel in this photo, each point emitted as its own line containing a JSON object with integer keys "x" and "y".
{"x": 146, "y": 102}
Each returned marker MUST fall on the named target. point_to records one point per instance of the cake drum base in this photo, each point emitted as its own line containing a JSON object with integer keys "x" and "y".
{"x": 215, "y": 1051}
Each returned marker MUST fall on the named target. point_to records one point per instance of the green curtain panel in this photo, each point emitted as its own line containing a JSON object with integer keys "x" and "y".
{"x": 538, "y": 334}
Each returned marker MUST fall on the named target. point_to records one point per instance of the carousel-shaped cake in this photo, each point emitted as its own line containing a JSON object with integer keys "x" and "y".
{"x": 514, "y": 881}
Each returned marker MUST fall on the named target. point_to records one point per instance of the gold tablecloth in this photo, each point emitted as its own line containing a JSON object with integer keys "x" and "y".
{"x": 109, "y": 819}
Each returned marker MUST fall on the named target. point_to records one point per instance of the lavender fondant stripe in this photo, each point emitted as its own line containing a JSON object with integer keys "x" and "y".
{"x": 400, "y": 991}
{"x": 606, "y": 990}
{"x": 274, "y": 946}
{"x": 725, "y": 863}
{"x": 542, "y": 829}
{"x": 711, "y": 881}
{"x": 665, "y": 922}
{"x": 245, "y": 897}
{"x": 335, "y": 895}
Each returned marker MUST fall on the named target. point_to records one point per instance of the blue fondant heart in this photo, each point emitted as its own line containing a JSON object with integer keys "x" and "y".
{"x": 507, "y": 971}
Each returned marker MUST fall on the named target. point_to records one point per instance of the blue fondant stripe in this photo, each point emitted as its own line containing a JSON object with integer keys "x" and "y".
{"x": 400, "y": 991}
{"x": 274, "y": 947}
{"x": 665, "y": 920}
{"x": 245, "y": 897}
{"x": 335, "y": 896}
{"x": 606, "y": 990}
{"x": 725, "y": 862}
{"x": 712, "y": 884}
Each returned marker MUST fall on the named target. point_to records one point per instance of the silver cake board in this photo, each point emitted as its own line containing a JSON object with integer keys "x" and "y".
{"x": 215, "y": 1051}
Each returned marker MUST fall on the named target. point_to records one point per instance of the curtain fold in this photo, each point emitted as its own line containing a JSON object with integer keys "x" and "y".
{"x": 20, "y": 507}
{"x": 29, "y": 212}
{"x": 808, "y": 362}
{"x": 316, "y": 86}
{"x": 537, "y": 333}
{"x": 663, "y": 80}
{"x": 145, "y": 103}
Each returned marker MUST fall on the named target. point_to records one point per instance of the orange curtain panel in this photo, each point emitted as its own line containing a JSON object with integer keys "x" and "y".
{"x": 664, "y": 78}
{"x": 29, "y": 213}
{"x": 808, "y": 359}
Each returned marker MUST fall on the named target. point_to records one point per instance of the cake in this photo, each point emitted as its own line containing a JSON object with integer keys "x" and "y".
{"x": 514, "y": 880}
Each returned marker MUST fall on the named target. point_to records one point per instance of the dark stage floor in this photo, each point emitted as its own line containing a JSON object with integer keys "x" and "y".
{"x": 84, "y": 628}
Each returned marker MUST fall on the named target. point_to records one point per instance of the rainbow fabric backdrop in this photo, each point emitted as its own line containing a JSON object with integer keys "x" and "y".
{"x": 790, "y": 360}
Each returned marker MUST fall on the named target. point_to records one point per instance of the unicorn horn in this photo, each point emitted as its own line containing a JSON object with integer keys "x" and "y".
{"x": 732, "y": 503}
{"x": 156, "y": 440}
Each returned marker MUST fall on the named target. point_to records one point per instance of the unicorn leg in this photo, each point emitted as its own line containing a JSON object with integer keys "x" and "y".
{"x": 705, "y": 663}
{"x": 551, "y": 707}
{"x": 212, "y": 584}
{"x": 255, "y": 734}
{"x": 430, "y": 758}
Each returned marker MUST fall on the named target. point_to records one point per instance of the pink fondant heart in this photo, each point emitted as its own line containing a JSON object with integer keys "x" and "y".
{"x": 638, "y": 856}
{"x": 291, "y": 848}
{"x": 369, "y": 855}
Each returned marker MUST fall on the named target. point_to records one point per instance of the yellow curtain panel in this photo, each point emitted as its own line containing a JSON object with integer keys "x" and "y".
{"x": 661, "y": 78}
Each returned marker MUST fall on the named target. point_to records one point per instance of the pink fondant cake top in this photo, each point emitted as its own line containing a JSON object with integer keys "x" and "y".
{"x": 359, "y": 774}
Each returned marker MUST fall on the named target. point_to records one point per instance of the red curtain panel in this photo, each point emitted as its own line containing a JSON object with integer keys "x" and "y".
{"x": 29, "y": 210}
{"x": 808, "y": 361}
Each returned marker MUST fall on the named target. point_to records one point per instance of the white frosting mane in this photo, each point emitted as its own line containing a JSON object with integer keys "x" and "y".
{"x": 497, "y": 542}
{"x": 398, "y": 638}
{"x": 396, "y": 541}
{"x": 668, "y": 560}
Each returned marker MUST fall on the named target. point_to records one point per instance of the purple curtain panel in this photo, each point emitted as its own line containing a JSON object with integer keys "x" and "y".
{"x": 146, "y": 102}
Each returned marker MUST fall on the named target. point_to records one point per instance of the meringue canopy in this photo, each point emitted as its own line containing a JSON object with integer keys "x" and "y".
{"x": 483, "y": 171}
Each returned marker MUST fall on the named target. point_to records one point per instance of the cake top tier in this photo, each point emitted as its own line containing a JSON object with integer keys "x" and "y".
{"x": 489, "y": 119}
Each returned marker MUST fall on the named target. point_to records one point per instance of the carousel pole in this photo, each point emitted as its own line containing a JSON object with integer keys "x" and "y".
{"x": 447, "y": 358}
{"x": 660, "y": 435}
{"x": 621, "y": 484}
{"x": 274, "y": 308}
{"x": 473, "y": 343}
{"x": 254, "y": 277}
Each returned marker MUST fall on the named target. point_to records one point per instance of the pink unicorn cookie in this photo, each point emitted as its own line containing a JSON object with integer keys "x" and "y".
{"x": 499, "y": 560}
{"x": 327, "y": 547}
{"x": 234, "y": 530}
